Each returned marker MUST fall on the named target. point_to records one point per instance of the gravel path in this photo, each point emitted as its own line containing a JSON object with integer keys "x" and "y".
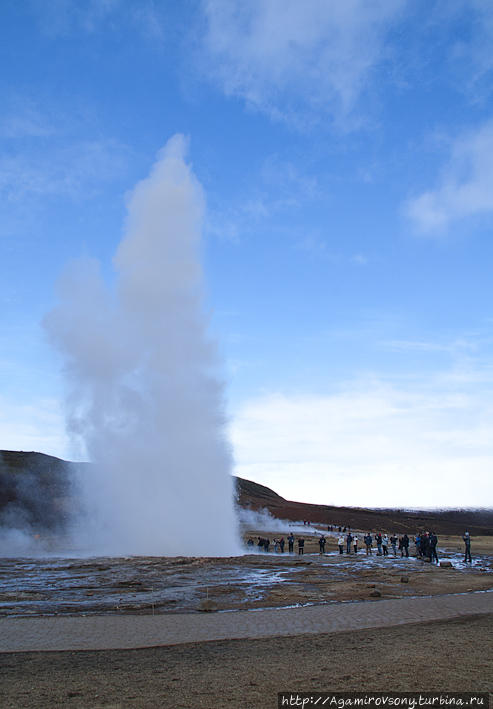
{"x": 134, "y": 631}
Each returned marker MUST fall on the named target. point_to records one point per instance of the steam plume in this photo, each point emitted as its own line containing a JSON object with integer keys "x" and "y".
{"x": 144, "y": 396}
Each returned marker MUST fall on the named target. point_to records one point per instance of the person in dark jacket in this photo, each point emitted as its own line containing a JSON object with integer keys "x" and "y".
{"x": 405, "y": 545}
{"x": 321, "y": 543}
{"x": 467, "y": 542}
{"x": 424, "y": 545}
{"x": 433, "y": 547}
{"x": 378, "y": 539}
{"x": 368, "y": 542}
{"x": 291, "y": 543}
{"x": 349, "y": 539}
{"x": 301, "y": 546}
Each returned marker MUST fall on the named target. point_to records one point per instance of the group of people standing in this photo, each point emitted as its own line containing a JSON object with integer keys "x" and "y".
{"x": 425, "y": 544}
{"x": 264, "y": 543}
{"x": 383, "y": 541}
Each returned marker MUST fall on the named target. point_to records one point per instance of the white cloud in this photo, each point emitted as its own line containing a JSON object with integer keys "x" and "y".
{"x": 294, "y": 59}
{"x": 465, "y": 188}
{"x": 372, "y": 444}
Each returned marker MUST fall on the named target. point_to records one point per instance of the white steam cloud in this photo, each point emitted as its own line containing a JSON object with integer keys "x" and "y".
{"x": 262, "y": 521}
{"x": 144, "y": 395}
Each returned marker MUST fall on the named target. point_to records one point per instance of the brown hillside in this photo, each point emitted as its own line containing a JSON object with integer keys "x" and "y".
{"x": 36, "y": 491}
{"x": 255, "y": 496}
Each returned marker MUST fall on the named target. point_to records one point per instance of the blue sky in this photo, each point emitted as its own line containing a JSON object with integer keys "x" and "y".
{"x": 345, "y": 150}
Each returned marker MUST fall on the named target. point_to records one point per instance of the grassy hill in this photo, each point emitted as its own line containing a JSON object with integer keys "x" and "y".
{"x": 36, "y": 492}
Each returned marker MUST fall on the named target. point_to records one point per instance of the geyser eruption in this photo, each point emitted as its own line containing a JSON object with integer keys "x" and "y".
{"x": 144, "y": 396}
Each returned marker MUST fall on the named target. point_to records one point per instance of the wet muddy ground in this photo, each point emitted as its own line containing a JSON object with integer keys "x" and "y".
{"x": 61, "y": 586}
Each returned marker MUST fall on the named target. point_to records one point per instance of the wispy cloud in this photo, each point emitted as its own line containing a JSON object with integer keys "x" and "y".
{"x": 64, "y": 17}
{"x": 472, "y": 52}
{"x": 373, "y": 443}
{"x": 61, "y": 170}
{"x": 34, "y": 426}
{"x": 22, "y": 118}
{"x": 465, "y": 188}
{"x": 453, "y": 347}
{"x": 296, "y": 60}
{"x": 277, "y": 189}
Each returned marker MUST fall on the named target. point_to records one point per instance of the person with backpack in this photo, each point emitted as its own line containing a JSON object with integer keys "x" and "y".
{"x": 301, "y": 545}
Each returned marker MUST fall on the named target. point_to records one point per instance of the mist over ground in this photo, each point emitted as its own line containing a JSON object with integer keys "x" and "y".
{"x": 144, "y": 398}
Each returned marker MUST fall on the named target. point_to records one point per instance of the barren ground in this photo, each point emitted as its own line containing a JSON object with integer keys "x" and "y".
{"x": 444, "y": 656}
{"x": 454, "y": 655}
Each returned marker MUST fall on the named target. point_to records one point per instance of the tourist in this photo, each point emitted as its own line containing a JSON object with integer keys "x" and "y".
{"x": 355, "y": 543}
{"x": 301, "y": 546}
{"x": 467, "y": 542}
{"x": 276, "y": 546}
{"x": 368, "y": 539}
{"x": 250, "y": 543}
{"x": 266, "y": 544}
{"x": 340, "y": 542}
{"x": 393, "y": 543}
{"x": 291, "y": 543}
{"x": 405, "y": 545}
{"x": 433, "y": 547}
{"x": 321, "y": 543}
{"x": 281, "y": 544}
{"x": 378, "y": 539}
{"x": 424, "y": 545}
{"x": 349, "y": 539}
{"x": 385, "y": 545}
{"x": 417, "y": 544}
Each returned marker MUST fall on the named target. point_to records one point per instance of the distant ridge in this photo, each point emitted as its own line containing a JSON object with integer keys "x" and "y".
{"x": 36, "y": 491}
{"x": 477, "y": 522}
